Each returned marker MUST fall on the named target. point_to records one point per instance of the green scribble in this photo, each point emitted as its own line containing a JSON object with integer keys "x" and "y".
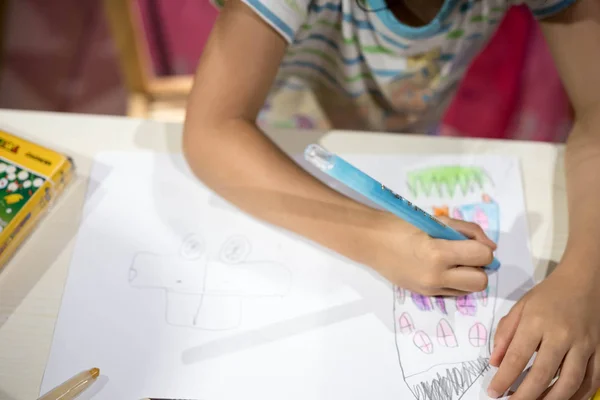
{"x": 294, "y": 6}
{"x": 426, "y": 181}
{"x": 458, "y": 33}
{"x": 478, "y": 18}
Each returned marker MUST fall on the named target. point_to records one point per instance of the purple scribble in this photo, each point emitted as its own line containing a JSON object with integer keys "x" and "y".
{"x": 423, "y": 303}
{"x": 466, "y": 305}
{"x": 441, "y": 303}
{"x": 304, "y": 122}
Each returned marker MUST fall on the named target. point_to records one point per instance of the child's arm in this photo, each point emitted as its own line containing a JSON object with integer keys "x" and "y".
{"x": 562, "y": 314}
{"x": 227, "y": 151}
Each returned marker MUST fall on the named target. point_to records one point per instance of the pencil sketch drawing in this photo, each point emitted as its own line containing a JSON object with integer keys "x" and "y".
{"x": 443, "y": 344}
{"x": 204, "y": 289}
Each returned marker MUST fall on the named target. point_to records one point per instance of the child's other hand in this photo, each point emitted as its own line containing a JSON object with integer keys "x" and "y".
{"x": 560, "y": 319}
{"x": 414, "y": 261}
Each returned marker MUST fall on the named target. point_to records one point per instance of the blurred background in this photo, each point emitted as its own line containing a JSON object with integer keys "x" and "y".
{"x": 136, "y": 58}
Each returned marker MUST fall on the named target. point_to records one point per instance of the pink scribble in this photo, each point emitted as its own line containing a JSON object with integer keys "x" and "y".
{"x": 445, "y": 334}
{"x": 457, "y": 214}
{"x": 481, "y": 219}
{"x": 423, "y": 303}
{"x": 400, "y": 295}
{"x": 423, "y": 342}
{"x": 483, "y": 296}
{"x": 478, "y": 335}
{"x": 466, "y": 305}
{"x": 441, "y": 303}
{"x": 406, "y": 324}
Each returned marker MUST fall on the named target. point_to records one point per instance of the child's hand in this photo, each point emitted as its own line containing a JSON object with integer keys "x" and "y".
{"x": 560, "y": 319}
{"x": 414, "y": 261}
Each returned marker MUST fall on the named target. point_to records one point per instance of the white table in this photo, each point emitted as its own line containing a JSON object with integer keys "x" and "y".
{"x": 31, "y": 285}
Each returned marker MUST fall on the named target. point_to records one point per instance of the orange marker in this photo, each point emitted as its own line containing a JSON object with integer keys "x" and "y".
{"x": 73, "y": 387}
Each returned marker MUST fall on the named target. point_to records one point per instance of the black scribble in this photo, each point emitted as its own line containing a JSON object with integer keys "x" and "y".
{"x": 453, "y": 382}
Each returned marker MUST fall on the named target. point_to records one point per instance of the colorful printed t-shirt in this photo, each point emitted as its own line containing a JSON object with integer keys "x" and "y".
{"x": 367, "y": 70}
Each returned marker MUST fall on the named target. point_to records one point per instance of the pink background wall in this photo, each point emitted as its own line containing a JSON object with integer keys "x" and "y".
{"x": 59, "y": 55}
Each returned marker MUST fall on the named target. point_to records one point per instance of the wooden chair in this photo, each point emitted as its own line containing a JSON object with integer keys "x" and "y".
{"x": 150, "y": 96}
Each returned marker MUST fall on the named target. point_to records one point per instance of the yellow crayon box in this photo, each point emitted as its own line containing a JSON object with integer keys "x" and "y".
{"x": 31, "y": 177}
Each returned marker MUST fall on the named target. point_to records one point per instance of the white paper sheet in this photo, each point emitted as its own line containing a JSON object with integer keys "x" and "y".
{"x": 173, "y": 293}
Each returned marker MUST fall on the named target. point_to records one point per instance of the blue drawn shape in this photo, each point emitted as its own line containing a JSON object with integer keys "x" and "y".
{"x": 486, "y": 214}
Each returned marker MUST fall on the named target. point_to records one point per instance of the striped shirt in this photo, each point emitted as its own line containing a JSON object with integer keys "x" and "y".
{"x": 367, "y": 70}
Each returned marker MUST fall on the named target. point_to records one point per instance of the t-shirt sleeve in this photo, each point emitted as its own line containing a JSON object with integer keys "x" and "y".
{"x": 545, "y": 8}
{"x": 285, "y": 16}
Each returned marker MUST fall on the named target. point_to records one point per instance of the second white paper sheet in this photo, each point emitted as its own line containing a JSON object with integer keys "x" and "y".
{"x": 173, "y": 293}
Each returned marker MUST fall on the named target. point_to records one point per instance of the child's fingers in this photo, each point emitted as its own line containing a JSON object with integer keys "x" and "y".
{"x": 518, "y": 354}
{"x": 448, "y": 292}
{"x": 572, "y": 373}
{"x": 591, "y": 381}
{"x": 466, "y": 279}
{"x": 544, "y": 369}
{"x": 470, "y": 230}
{"x": 469, "y": 253}
{"x": 505, "y": 332}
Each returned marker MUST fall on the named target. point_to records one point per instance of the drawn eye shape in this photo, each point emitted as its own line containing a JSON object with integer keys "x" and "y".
{"x": 235, "y": 250}
{"x": 445, "y": 334}
{"x": 478, "y": 335}
{"x": 423, "y": 342}
{"x": 405, "y": 324}
{"x": 192, "y": 247}
{"x": 466, "y": 305}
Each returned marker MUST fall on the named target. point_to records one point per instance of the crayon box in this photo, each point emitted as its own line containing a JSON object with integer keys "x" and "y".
{"x": 31, "y": 177}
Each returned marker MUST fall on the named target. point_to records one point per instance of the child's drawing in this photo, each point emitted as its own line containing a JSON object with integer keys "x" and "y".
{"x": 444, "y": 343}
{"x": 205, "y": 291}
{"x": 446, "y": 180}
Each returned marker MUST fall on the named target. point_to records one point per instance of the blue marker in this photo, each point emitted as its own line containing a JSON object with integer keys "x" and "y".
{"x": 362, "y": 183}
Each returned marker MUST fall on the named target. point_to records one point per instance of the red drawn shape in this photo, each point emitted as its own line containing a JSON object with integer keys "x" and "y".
{"x": 405, "y": 324}
{"x": 478, "y": 335}
{"x": 466, "y": 305}
{"x": 445, "y": 334}
{"x": 423, "y": 342}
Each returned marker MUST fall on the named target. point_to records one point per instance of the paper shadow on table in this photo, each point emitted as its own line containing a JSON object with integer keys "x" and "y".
{"x": 67, "y": 213}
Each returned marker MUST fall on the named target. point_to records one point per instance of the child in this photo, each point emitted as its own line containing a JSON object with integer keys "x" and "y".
{"x": 393, "y": 65}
